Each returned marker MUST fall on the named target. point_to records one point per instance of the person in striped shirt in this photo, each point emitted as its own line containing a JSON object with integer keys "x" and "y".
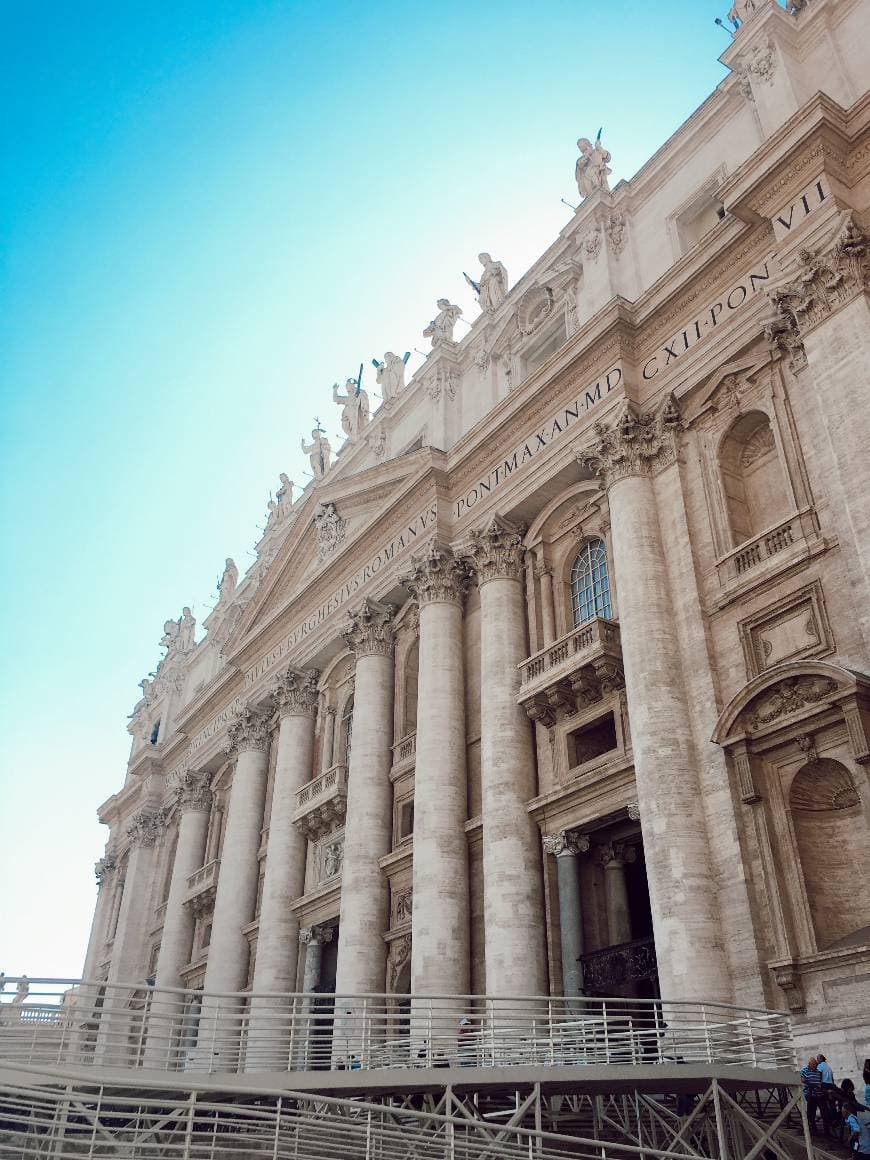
{"x": 812, "y": 1081}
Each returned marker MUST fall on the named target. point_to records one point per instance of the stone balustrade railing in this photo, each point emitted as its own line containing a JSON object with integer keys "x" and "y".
{"x": 798, "y": 533}
{"x": 204, "y": 877}
{"x": 405, "y": 750}
{"x": 334, "y": 778}
{"x": 578, "y": 645}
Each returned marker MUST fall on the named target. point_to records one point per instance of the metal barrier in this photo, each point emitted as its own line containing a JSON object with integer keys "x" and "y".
{"x": 80, "y": 1023}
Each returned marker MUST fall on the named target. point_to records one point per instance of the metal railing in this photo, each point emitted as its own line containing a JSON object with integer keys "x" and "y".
{"x": 81, "y": 1023}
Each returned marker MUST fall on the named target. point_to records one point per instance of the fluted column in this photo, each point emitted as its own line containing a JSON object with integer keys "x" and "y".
{"x": 193, "y": 801}
{"x": 512, "y": 883}
{"x": 361, "y": 963}
{"x": 686, "y": 921}
{"x": 236, "y": 897}
{"x": 440, "y": 920}
{"x": 565, "y": 846}
{"x": 128, "y": 966}
{"x": 613, "y": 856}
{"x": 295, "y": 696}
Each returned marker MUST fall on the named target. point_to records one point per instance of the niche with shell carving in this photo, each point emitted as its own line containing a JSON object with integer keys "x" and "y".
{"x": 833, "y": 846}
{"x": 756, "y": 495}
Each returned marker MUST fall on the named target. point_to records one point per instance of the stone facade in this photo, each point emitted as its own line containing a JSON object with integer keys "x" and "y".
{"x": 557, "y": 676}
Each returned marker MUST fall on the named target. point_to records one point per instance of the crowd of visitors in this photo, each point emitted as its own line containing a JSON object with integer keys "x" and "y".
{"x": 837, "y": 1104}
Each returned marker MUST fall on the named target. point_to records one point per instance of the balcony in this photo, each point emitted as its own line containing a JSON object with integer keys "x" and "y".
{"x": 404, "y": 754}
{"x": 322, "y": 803}
{"x": 776, "y": 547}
{"x": 572, "y": 672}
{"x": 607, "y": 971}
{"x": 203, "y": 878}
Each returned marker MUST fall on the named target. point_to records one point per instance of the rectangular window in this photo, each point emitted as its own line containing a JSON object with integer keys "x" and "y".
{"x": 592, "y": 741}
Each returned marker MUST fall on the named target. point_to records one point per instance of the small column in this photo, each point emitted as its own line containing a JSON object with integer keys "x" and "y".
{"x": 565, "y": 846}
{"x": 313, "y": 938}
{"x": 684, "y": 903}
{"x": 548, "y": 607}
{"x": 128, "y": 967}
{"x": 193, "y": 800}
{"x": 440, "y": 940}
{"x": 512, "y": 870}
{"x": 361, "y": 965}
{"x": 295, "y": 696}
{"x": 613, "y": 857}
{"x": 236, "y": 897}
{"x": 328, "y": 740}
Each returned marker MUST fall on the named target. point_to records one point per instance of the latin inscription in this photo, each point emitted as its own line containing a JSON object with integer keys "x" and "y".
{"x": 345, "y": 592}
{"x": 791, "y": 217}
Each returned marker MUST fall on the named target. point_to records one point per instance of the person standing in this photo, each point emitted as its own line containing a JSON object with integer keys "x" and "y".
{"x": 812, "y": 1081}
{"x": 828, "y": 1105}
{"x": 858, "y": 1125}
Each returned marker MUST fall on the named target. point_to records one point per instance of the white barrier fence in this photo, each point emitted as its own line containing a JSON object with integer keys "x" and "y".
{"x": 81, "y": 1022}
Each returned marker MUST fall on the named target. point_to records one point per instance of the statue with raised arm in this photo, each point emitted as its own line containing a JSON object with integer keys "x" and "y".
{"x": 284, "y": 494}
{"x": 171, "y": 629}
{"x": 186, "y": 630}
{"x": 354, "y": 408}
{"x": 229, "y": 580}
{"x": 493, "y": 284}
{"x": 391, "y": 376}
{"x": 318, "y": 452}
{"x": 440, "y": 329}
{"x": 591, "y": 170}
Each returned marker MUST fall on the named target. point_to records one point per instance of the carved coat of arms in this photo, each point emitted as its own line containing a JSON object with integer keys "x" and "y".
{"x": 330, "y": 529}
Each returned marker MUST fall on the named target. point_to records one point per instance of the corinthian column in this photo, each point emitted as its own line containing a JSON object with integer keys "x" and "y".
{"x": 686, "y": 921}
{"x": 440, "y": 936}
{"x": 367, "y": 838}
{"x": 193, "y": 800}
{"x": 295, "y": 696}
{"x": 236, "y": 897}
{"x": 512, "y": 884}
{"x": 128, "y": 966}
{"x": 566, "y": 846}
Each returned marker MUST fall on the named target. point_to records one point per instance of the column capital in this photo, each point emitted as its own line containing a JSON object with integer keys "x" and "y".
{"x": 437, "y": 577}
{"x": 106, "y": 866}
{"x": 371, "y": 629}
{"x": 146, "y": 827}
{"x": 633, "y": 811}
{"x": 192, "y": 791}
{"x": 295, "y": 692}
{"x": 615, "y": 854}
{"x": 495, "y": 551}
{"x": 316, "y": 935}
{"x": 565, "y": 844}
{"x": 248, "y": 730}
{"x": 821, "y": 281}
{"x": 636, "y": 443}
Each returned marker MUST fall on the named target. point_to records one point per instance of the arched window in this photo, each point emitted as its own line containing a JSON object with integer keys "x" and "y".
{"x": 752, "y": 478}
{"x": 346, "y": 731}
{"x": 590, "y": 586}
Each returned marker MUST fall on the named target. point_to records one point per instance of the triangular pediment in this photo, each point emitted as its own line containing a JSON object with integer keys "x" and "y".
{"x": 333, "y": 517}
{"x": 727, "y": 383}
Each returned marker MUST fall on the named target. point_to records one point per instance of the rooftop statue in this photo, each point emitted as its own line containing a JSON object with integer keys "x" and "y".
{"x": 229, "y": 580}
{"x": 355, "y": 408}
{"x": 318, "y": 452}
{"x": 391, "y": 376}
{"x": 741, "y": 11}
{"x": 493, "y": 286}
{"x": 187, "y": 628}
{"x": 440, "y": 329}
{"x": 591, "y": 170}
{"x": 171, "y": 629}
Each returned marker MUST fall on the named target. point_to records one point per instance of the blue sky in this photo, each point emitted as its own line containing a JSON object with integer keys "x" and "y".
{"x": 210, "y": 212}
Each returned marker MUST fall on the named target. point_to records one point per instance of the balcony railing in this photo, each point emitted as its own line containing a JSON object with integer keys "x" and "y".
{"x": 203, "y": 878}
{"x": 321, "y": 804}
{"x": 405, "y": 751}
{"x": 77, "y": 1023}
{"x": 781, "y": 541}
{"x": 578, "y": 668}
{"x": 606, "y": 970}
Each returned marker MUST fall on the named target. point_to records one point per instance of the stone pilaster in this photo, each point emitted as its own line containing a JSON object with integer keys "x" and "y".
{"x": 295, "y": 697}
{"x": 193, "y": 800}
{"x": 825, "y": 307}
{"x": 236, "y": 897}
{"x": 440, "y": 947}
{"x": 144, "y": 832}
{"x": 361, "y": 963}
{"x": 512, "y": 879}
{"x": 565, "y": 846}
{"x": 686, "y": 920}
{"x": 613, "y": 857}
{"x": 544, "y": 573}
{"x": 327, "y": 743}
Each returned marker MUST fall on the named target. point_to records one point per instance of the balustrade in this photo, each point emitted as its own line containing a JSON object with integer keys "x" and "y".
{"x": 797, "y": 533}
{"x": 578, "y": 668}
{"x": 322, "y": 803}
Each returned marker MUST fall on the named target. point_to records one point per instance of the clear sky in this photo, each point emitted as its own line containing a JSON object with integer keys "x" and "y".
{"x": 210, "y": 212}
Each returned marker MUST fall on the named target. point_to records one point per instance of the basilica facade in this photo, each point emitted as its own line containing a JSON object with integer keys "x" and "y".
{"x": 556, "y": 677}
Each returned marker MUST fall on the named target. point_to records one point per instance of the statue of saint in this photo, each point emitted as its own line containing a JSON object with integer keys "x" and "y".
{"x": 440, "y": 329}
{"x": 21, "y": 991}
{"x": 186, "y": 630}
{"x": 284, "y": 494}
{"x": 741, "y": 11}
{"x": 229, "y": 580}
{"x": 591, "y": 169}
{"x": 355, "y": 408}
{"x": 318, "y": 452}
{"x": 493, "y": 284}
{"x": 391, "y": 376}
{"x": 171, "y": 629}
